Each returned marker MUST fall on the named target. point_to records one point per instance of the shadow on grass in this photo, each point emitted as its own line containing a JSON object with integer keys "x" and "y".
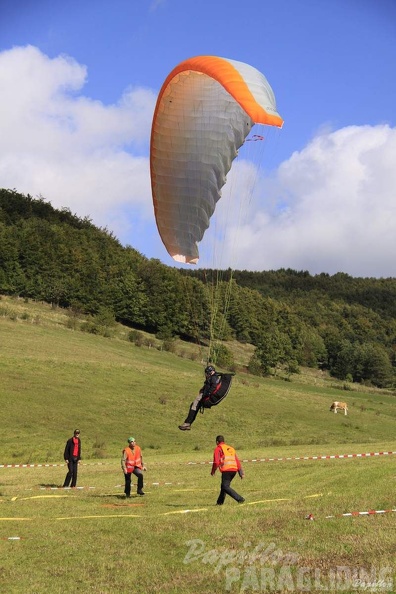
{"x": 117, "y": 496}
{"x": 50, "y": 486}
{"x": 183, "y": 505}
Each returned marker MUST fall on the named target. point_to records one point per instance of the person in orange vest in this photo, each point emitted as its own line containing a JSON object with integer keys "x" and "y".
{"x": 132, "y": 463}
{"x": 225, "y": 458}
{"x": 72, "y": 456}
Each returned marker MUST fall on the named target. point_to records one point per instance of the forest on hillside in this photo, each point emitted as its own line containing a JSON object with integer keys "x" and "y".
{"x": 339, "y": 323}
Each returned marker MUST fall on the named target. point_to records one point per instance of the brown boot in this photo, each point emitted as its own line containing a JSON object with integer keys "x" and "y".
{"x": 185, "y": 427}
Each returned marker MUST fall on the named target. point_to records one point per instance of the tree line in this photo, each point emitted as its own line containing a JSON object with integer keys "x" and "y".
{"x": 338, "y": 323}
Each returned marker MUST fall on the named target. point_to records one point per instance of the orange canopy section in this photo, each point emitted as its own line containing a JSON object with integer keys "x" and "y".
{"x": 205, "y": 110}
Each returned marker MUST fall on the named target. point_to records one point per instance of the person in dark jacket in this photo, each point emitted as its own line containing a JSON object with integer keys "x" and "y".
{"x": 72, "y": 456}
{"x": 211, "y": 385}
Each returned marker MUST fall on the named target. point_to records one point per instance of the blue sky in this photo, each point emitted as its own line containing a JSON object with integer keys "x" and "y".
{"x": 78, "y": 85}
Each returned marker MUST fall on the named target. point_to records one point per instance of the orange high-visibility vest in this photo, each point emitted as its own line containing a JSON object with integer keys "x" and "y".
{"x": 133, "y": 458}
{"x": 228, "y": 460}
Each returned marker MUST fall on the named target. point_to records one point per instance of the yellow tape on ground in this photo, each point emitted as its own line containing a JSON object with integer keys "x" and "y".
{"x": 184, "y": 511}
{"x": 118, "y": 505}
{"x": 43, "y": 497}
{"x": 14, "y": 519}
{"x": 95, "y": 517}
{"x": 265, "y": 501}
{"x": 192, "y": 489}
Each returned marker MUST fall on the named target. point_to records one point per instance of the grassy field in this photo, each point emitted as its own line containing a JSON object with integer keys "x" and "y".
{"x": 176, "y": 540}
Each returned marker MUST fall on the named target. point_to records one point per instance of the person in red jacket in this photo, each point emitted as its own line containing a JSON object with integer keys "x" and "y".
{"x": 132, "y": 463}
{"x": 225, "y": 458}
{"x": 72, "y": 456}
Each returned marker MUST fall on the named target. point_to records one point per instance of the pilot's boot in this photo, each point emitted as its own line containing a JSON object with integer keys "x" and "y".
{"x": 189, "y": 420}
{"x": 185, "y": 426}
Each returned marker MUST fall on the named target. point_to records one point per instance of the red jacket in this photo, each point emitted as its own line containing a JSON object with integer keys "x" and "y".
{"x": 225, "y": 458}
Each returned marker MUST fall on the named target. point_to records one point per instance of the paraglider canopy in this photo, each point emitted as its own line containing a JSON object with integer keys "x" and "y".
{"x": 205, "y": 110}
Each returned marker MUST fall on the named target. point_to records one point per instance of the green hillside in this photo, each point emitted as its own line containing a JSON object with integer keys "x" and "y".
{"x": 339, "y": 324}
{"x": 55, "y": 378}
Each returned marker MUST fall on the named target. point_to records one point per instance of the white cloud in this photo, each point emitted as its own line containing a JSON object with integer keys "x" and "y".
{"x": 74, "y": 151}
{"x": 329, "y": 208}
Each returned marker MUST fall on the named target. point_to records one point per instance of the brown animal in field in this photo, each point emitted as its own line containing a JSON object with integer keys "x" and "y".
{"x": 339, "y": 406}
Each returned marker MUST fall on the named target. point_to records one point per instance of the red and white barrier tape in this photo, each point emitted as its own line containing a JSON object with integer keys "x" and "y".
{"x": 51, "y": 465}
{"x": 282, "y": 459}
{"x": 60, "y": 488}
{"x": 155, "y": 484}
{"x": 370, "y": 512}
{"x": 327, "y": 457}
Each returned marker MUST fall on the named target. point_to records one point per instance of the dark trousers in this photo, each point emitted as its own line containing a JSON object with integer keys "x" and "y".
{"x": 193, "y": 410}
{"x": 226, "y": 489}
{"x": 128, "y": 476}
{"x": 71, "y": 476}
